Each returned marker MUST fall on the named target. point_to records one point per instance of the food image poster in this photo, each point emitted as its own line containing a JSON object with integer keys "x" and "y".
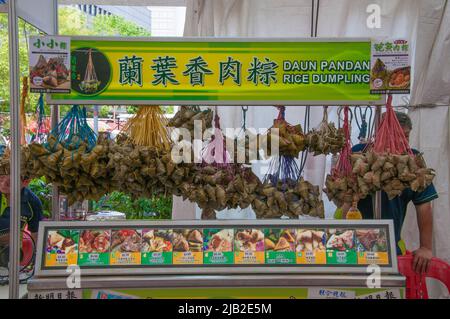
{"x": 218, "y": 246}
{"x": 62, "y": 248}
{"x": 279, "y": 246}
{"x": 341, "y": 247}
{"x": 187, "y": 246}
{"x": 94, "y": 247}
{"x": 372, "y": 246}
{"x": 390, "y": 67}
{"x": 156, "y": 248}
{"x": 50, "y": 70}
{"x": 310, "y": 246}
{"x": 249, "y": 246}
{"x": 125, "y": 247}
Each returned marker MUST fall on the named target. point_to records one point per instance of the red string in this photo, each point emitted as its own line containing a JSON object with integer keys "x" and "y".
{"x": 344, "y": 166}
{"x": 390, "y": 136}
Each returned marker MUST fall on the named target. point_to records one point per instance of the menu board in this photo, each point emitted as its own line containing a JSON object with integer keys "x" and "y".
{"x": 217, "y": 246}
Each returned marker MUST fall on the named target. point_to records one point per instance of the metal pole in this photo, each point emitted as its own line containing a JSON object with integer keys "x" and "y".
{"x": 96, "y": 119}
{"x": 377, "y": 210}
{"x": 55, "y": 120}
{"x": 16, "y": 185}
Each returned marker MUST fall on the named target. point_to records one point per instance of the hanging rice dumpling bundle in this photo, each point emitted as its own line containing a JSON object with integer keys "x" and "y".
{"x": 246, "y": 148}
{"x": 285, "y": 193}
{"x": 187, "y": 116}
{"x": 148, "y": 128}
{"x": 74, "y": 159}
{"x": 289, "y": 138}
{"x": 217, "y": 184}
{"x": 146, "y": 171}
{"x": 389, "y": 164}
{"x": 342, "y": 186}
{"x": 141, "y": 158}
{"x": 326, "y": 138}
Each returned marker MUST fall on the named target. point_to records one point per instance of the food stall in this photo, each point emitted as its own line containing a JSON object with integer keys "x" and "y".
{"x": 212, "y": 259}
{"x": 291, "y": 258}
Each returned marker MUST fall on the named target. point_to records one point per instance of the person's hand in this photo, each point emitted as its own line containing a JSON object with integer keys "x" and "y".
{"x": 422, "y": 259}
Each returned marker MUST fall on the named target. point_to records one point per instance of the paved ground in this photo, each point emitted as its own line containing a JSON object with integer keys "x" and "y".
{"x": 4, "y": 291}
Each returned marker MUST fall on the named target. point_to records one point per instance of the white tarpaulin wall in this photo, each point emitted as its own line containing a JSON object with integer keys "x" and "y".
{"x": 426, "y": 23}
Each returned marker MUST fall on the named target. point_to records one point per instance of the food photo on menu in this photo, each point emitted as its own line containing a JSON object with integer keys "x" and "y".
{"x": 310, "y": 240}
{"x": 185, "y": 240}
{"x": 249, "y": 240}
{"x": 281, "y": 240}
{"x": 156, "y": 240}
{"x": 371, "y": 240}
{"x": 126, "y": 241}
{"x": 95, "y": 241}
{"x": 340, "y": 239}
{"x": 62, "y": 241}
{"x": 218, "y": 240}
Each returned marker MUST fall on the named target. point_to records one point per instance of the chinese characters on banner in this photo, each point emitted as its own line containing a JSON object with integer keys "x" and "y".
{"x": 49, "y": 64}
{"x": 390, "y": 67}
{"x": 216, "y": 72}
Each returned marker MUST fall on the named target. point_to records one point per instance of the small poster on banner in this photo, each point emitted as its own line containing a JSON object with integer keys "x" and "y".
{"x": 49, "y": 64}
{"x": 390, "y": 67}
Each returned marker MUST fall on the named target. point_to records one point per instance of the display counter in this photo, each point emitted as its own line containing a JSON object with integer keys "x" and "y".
{"x": 217, "y": 259}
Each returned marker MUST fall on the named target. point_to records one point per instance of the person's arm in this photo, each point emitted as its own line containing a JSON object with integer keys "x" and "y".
{"x": 33, "y": 223}
{"x": 423, "y": 255}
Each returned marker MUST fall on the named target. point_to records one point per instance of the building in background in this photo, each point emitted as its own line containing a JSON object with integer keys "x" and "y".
{"x": 167, "y": 21}
{"x": 161, "y": 21}
{"x": 139, "y": 15}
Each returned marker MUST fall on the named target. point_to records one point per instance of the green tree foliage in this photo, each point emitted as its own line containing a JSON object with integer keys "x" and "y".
{"x": 24, "y": 29}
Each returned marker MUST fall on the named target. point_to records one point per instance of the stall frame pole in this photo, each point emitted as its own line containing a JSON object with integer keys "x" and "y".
{"x": 377, "y": 210}
{"x": 14, "y": 233}
{"x": 54, "y": 122}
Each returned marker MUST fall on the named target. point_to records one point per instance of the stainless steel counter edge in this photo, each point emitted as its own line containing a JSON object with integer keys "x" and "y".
{"x": 214, "y": 281}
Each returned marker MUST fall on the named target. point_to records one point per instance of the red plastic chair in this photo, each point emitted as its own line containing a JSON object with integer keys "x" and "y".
{"x": 28, "y": 248}
{"x": 416, "y": 285}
